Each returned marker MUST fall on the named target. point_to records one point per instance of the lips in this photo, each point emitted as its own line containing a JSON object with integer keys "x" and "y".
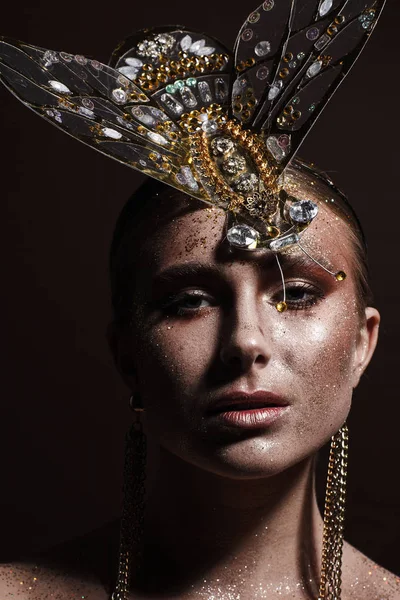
{"x": 246, "y": 401}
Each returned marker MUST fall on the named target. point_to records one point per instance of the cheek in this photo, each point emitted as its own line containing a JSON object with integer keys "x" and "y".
{"x": 176, "y": 356}
{"x": 319, "y": 359}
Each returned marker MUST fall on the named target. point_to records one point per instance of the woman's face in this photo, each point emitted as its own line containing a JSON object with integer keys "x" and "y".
{"x": 206, "y": 326}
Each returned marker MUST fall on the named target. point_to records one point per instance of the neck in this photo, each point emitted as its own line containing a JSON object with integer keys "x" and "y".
{"x": 205, "y": 533}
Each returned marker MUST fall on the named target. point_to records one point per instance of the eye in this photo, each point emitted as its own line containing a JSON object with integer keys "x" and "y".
{"x": 301, "y": 295}
{"x": 186, "y": 303}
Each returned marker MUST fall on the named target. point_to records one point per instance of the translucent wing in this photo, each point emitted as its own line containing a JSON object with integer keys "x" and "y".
{"x": 290, "y": 58}
{"x": 104, "y": 108}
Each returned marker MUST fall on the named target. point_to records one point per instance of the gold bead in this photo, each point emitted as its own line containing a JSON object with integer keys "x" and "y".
{"x": 281, "y": 307}
{"x": 340, "y": 276}
{"x": 283, "y": 73}
{"x": 288, "y": 57}
{"x": 272, "y": 231}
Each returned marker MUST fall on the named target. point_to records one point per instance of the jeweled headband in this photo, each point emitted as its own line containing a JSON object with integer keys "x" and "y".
{"x": 219, "y": 126}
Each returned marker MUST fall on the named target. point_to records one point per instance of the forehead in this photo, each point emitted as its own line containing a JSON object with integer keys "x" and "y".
{"x": 200, "y": 235}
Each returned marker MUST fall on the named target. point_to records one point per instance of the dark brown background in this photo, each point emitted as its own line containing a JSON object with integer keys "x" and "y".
{"x": 64, "y": 410}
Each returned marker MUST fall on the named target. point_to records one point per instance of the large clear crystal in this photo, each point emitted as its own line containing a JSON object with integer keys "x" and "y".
{"x": 275, "y": 148}
{"x": 50, "y": 57}
{"x": 314, "y": 69}
{"x": 111, "y": 133}
{"x": 59, "y": 87}
{"x": 233, "y": 165}
{"x": 222, "y": 145}
{"x": 134, "y": 62}
{"x": 221, "y": 89}
{"x": 325, "y": 7}
{"x": 172, "y": 104}
{"x": 243, "y": 236}
{"x": 303, "y": 211}
{"x": 262, "y": 48}
{"x": 274, "y": 90}
{"x": 204, "y": 91}
{"x": 119, "y": 95}
{"x": 188, "y": 98}
{"x": 284, "y": 242}
{"x": 209, "y": 126}
{"x": 246, "y": 183}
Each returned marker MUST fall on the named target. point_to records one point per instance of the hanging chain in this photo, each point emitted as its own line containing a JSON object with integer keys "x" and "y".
{"x": 332, "y": 545}
{"x": 132, "y": 519}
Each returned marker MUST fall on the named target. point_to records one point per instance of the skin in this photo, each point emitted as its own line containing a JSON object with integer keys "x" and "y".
{"x": 232, "y": 513}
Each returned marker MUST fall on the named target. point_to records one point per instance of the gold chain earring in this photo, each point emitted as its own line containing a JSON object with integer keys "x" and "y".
{"x": 335, "y": 497}
{"x": 132, "y": 519}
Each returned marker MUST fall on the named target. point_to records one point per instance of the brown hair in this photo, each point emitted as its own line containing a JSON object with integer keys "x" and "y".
{"x": 140, "y": 208}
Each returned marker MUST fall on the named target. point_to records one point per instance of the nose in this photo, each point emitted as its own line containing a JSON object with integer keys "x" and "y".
{"x": 244, "y": 342}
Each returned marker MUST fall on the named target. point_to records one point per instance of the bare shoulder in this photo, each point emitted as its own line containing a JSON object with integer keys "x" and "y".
{"x": 79, "y": 568}
{"x": 363, "y": 578}
{"x": 32, "y": 581}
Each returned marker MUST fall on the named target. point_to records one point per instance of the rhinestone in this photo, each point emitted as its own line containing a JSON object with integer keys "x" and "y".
{"x": 96, "y": 64}
{"x": 55, "y": 114}
{"x": 59, "y": 87}
{"x": 281, "y": 307}
{"x": 119, "y": 95}
{"x": 312, "y": 34}
{"x": 314, "y": 69}
{"x": 222, "y": 145}
{"x": 254, "y": 17}
{"x": 221, "y": 89}
{"x": 293, "y": 64}
{"x": 186, "y": 42}
{"x": 276, "y": 150}
{"x": 205, "y": 92}
{"x": 303, "y": 211}
{"x": 172, "y": 104}
{"x": 247, "y": 35}
{"x": 296, "y": 100}
{"x": 283, "y": 242}
{"x": 262, "y": 48}
{"x": 134, "y": 62}
{"x": 284, "y": 141}
{"x": 340, "y": 276}
{"x": 243, "y": 236}
{"x": 325, "y": 7}
{"x": 66, "y": 57}
{"x": 87, "y": 103}
{"x": 81, "y": 60}
{"x": 274, "y": 90}
{"x": 50, "y": 57}
{"x": 262, "y": 73}
{"x": 312, "y": 107}
{"x": 179, "y": 84}
{"x": 171, "y": 89}
{"x": 233, "y": 165}
{"x": 191, "y": 81}
{"x": 188, "y": 98}
{"x": 246, "y": 183}
{"x": 86, "y": 112}
{"x": 268, "y": 4}
{"x": 111, "y": 133}
{"x": 209, "y": 127}
{"x": 130, "y": 72}
{"x": 123, "y": 81}
{"x": 300, "y": 55}
{"x": 322, "y": 42}
{"x": 157, "y": 138}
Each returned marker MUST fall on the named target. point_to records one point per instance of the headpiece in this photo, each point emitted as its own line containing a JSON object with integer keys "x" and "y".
{"x": 219, "y": 126}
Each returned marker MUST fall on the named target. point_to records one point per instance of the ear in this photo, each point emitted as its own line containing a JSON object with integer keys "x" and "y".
{"x": 120, "y": 344}
{"x": 366, "y": 343}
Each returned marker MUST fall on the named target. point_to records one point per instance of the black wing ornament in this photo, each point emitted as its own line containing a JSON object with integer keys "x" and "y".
{"x": 179, "y": 107}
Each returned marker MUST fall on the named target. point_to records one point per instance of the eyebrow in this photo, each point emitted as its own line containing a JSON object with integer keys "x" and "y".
{"x": 191, "y": 270}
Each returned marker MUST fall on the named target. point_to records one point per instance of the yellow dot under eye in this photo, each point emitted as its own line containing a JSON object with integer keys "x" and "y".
{"x": 281, "y": 307}
{"x": 340, "y": 276}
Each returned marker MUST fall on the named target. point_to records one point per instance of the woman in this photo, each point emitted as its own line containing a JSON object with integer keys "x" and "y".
{"x": 199, "y": 327}
{"x": 231, "y": 508}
